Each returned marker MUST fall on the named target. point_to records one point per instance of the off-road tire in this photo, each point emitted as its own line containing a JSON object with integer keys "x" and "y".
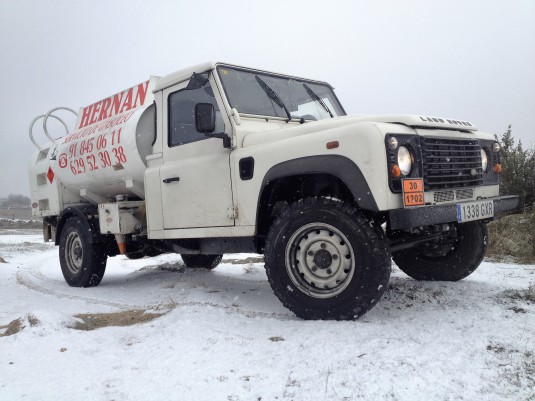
{"x": 453, "y": 261}
{"x": 202, "y": 261}
{"x": 82, "y": 263}
{"x": 325, "y": 260}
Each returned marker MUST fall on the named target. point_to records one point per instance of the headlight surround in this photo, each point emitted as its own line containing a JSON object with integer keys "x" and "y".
{"x": 404, "y": 160}
{"x": 484, "y": 160}
{"x": 415, "y": 170}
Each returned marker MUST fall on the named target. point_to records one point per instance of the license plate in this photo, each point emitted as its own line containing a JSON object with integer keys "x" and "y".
{"x": 477, "y": 210}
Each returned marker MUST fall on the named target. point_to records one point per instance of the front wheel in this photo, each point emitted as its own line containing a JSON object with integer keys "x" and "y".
{"x": 209, "y": 262}
{"x": 325, "y": 260}
{"x": 82, "y": 263}
{"x": 454, "y": 257}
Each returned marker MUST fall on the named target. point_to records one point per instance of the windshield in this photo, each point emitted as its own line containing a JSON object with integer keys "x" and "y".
{"x": 303, "y": 99}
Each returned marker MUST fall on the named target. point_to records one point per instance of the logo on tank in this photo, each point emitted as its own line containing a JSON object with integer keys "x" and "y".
{"x": 63, "y": 160}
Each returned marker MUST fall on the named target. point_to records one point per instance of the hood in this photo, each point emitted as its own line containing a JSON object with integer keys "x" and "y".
{"x": 412, "y": 121}
{"x": 424, "y": 122}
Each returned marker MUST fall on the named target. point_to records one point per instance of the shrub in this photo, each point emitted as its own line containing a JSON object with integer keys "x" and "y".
{"x": 518, "y": 171}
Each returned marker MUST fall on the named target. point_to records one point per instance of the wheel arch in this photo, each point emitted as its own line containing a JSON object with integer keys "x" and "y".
{"x": 322, "y": 175}
{"x": 88, "y": 216}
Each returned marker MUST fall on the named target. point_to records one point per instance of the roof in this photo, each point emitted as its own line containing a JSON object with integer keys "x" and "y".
{"x": 182, "y": 75}
{"x": 185, "y": 74}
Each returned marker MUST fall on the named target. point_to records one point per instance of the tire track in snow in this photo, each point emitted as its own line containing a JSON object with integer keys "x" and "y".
{"x": 23, "y": 278}
{"x": 231, "y": 309}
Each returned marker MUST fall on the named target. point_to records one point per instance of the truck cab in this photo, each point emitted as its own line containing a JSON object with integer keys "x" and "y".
{"x": 222, "y": 165}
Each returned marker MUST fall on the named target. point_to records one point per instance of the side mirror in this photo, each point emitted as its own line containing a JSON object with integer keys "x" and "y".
{"x": 205, "y": 123}
{"x": 205, "y": 118}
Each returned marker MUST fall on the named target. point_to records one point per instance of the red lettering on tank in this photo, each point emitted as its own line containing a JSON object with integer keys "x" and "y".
{"x": 141, "y": 94}
{"x": 127, "y": 105}
{"x": 106, "y": 103}
{"x": 95, "y": 113}
{"x": 117, "y": 104}
{"x": 117, "y": 100}
{"x": 86, "y": 113}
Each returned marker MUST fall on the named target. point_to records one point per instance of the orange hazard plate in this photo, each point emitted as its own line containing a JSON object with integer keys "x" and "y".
{"x": 413, "y": 192}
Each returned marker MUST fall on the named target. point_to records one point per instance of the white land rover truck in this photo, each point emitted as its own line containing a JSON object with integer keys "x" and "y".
{"x": 219, "y": 159}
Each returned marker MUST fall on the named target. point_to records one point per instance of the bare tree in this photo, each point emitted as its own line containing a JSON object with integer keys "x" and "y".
{"x": 17, "y": 200}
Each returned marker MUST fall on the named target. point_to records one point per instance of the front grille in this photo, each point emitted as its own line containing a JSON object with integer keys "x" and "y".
{"x": 449, "y": 196}
{"x": 445, "y": 196}
{"x": 463, "y": 194}
{"x": 451, "y": 163}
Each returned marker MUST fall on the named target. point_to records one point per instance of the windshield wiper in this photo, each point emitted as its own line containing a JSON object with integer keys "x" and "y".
{"x": 273, "y": 96}
{"x": 314, "y": 96}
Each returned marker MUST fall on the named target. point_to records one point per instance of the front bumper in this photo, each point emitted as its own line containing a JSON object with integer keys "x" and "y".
{"x": 438, "y": 214}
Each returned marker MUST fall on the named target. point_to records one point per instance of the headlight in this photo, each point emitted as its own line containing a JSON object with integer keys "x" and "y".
{"x": 484, "y": 160}
{"x": 404, "y": 160}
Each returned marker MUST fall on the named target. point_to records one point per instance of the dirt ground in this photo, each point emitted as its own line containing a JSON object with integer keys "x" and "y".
{"x": 92, "y": 321}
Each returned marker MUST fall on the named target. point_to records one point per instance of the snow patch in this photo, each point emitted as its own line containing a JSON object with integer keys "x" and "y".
{"x": 476, "y": 335}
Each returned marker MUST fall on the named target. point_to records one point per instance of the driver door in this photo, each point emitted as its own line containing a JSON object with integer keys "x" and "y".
{"x": 195, "y": 176}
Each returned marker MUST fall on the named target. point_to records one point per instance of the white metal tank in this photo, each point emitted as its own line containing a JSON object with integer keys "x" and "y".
{"x": 103, "y": 157}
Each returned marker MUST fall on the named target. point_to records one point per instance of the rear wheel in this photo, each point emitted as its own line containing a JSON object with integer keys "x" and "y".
{"x": 325, "y": 260}
{"x": 206, "y": 261}
{"x": 82, "y": 263}
{"x": 454, "y": 257}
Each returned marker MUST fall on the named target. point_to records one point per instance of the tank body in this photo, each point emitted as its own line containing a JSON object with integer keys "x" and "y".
{"x": 103, "y": 157}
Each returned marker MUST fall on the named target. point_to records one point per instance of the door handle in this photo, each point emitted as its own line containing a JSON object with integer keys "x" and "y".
{"x": 168, "y": 180}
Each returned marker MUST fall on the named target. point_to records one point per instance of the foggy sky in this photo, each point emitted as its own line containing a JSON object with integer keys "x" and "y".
{"x": 468, "y": 60}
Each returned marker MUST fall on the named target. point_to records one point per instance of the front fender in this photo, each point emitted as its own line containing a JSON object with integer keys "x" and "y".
{"x": 336, "y": 165}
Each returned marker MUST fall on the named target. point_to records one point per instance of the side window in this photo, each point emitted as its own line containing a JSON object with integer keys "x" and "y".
{"x": 181, "y": 105}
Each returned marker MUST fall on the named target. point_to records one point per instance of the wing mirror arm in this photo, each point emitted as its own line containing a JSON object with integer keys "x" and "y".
{"x": 205, "y": 123}
{"x": 220, "y": 135}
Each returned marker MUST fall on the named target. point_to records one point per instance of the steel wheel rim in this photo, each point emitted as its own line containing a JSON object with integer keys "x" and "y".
{"x": 320, "y": 260}
{"x": 74, "y": 252}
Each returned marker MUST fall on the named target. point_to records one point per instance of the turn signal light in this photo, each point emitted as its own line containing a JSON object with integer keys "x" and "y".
{"x": 395, "y": 171}
{"x": 332, "y": 145}
{"x": 497, "y": 168}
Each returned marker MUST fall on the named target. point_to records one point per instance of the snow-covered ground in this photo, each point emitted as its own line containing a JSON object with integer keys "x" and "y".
{"x": 225, "y": 336}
